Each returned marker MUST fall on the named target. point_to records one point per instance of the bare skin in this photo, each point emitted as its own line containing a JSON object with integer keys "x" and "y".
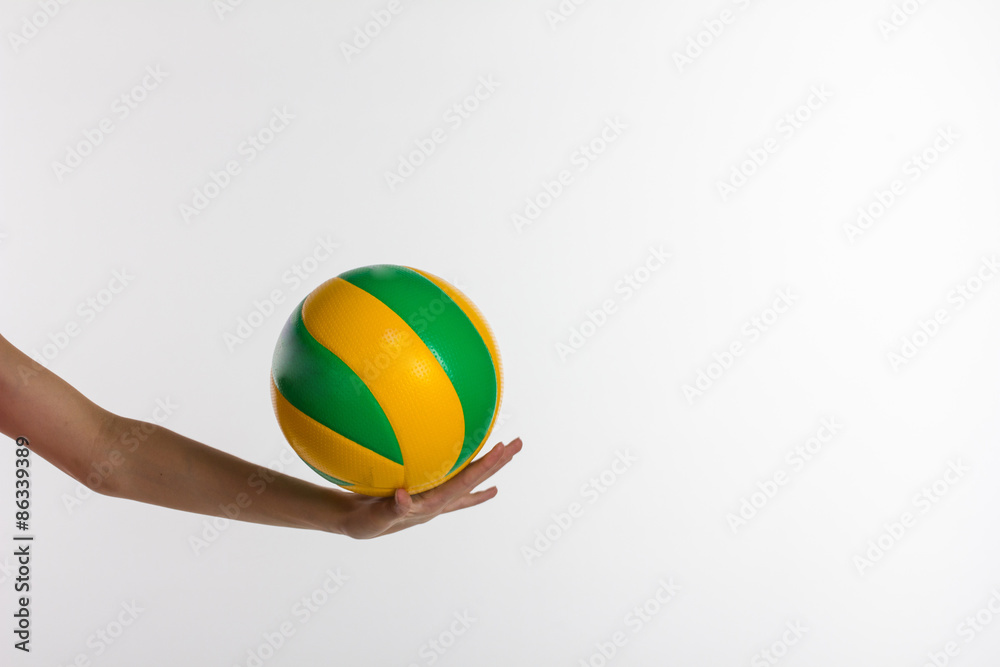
{"x": 155, "y": 465}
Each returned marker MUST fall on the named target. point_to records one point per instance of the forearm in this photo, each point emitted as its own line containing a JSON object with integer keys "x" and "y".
{"x": 152, "y": 464}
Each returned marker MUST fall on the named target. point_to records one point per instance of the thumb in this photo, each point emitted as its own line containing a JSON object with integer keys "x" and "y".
{"x": 402, "y": 504}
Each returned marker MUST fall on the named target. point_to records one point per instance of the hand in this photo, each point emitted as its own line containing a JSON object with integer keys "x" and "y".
{"x": 171, "y": 470}
{"x": 371, "y": 517}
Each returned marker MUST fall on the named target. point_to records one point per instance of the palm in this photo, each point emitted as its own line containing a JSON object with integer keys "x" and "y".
{"x": 372, "y": 517}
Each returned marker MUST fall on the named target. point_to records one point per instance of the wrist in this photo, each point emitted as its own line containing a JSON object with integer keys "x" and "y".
{"x": 327, "y": 512}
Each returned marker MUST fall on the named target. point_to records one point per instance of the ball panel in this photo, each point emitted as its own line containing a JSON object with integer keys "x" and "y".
{"x": 411, "y": 387}
{"x": 475, "y": 317}
{"x": 331, "y": 453}
{"x": 448, "y": 332}
{"x": 486, "y": 333}
{"x": 329, "y": 478}
{"x": 322, "y": 386}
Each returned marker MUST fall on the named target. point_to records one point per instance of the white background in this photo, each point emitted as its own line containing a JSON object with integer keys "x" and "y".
{"x": 686, "y": 127}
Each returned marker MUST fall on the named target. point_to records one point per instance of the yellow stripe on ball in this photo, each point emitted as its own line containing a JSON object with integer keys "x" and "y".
{"x": 414, "y": 391}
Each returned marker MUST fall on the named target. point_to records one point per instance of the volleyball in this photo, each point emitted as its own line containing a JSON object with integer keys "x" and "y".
{"x": 386, "y": 377}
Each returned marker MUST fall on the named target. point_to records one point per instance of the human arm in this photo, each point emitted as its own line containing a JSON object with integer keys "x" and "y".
{"x": 168, "y": 469}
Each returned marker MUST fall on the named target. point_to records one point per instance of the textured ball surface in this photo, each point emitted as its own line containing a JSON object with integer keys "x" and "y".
{"x": 386, "y": 377}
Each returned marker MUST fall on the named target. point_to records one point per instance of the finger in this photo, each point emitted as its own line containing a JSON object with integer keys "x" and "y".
{"x": 471, "y": 499}
{"x": 487, "y": 468}
{"x": 395, "y": 508}
{"x": 466, "y": 480}
{"x": 490, "y": 463}
{"x": 482, "y": 467}
{"x": 462, "y": 502}
{"x": 403, "y": 503}
{"x": 450, "y": 496}
{"x": 472, "y": 476}
{"x": 511, "y": 450}
{"x": 393, "y": 511}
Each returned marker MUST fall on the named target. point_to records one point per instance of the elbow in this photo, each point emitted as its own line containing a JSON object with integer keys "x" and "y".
{"x": 104, "y": 471}
{"x": 100, "y": 480}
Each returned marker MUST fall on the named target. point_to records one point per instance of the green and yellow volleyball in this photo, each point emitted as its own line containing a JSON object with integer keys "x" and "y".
{"x": 386, "y": 377}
